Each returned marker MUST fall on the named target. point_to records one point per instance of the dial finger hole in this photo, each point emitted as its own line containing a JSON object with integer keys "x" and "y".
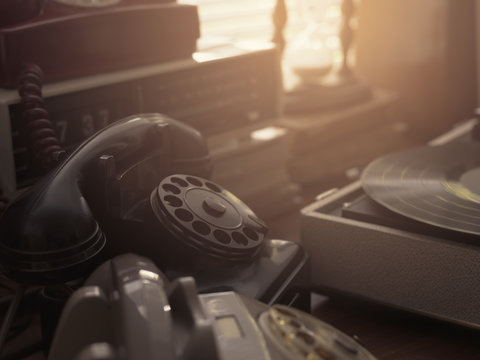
{"x": 295, "y": 324}
{"x": 173, "y": 201}
{"x": 179, "y": 181}
{"x": 194, "y": 181}
{"x": 213, "y": 187}
{"x": 251, "y": 234}
{"x": 171, "y": 188}
{"x": 184, "y": 215}
{"x": 221, "y": 236}
{"x": 306, "y": 337}
{"x": 324, "y": 353}
{"x": 201, "y": 227}
{"x": 239, "y": 238}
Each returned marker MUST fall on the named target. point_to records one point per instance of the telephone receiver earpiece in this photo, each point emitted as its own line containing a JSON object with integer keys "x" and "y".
{"x": 52, "y": 232}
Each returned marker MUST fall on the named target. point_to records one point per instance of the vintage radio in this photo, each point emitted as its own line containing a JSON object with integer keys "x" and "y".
{"x": 221, "y": 87}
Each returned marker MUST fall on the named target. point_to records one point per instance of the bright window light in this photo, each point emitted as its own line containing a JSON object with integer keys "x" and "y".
{"x": 239, "y": 20}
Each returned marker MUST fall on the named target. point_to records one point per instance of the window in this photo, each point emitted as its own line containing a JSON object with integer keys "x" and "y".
{"x": 242, "y": 19}
{"x": 311, "y": 32}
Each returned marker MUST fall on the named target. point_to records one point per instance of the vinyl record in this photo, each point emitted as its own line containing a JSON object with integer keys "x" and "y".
{"x": 438, "y": 185}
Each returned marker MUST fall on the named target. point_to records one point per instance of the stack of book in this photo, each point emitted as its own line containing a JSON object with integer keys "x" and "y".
{"x": 324, "y": 145}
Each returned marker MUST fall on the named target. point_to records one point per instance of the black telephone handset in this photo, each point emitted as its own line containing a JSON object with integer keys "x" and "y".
{"x": 51, "y": 233}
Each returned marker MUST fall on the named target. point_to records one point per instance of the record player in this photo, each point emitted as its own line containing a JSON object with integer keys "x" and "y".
{"x": 407, "y": 234}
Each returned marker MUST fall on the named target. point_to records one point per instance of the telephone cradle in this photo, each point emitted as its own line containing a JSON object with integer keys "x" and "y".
{"x": 139, "y": 185}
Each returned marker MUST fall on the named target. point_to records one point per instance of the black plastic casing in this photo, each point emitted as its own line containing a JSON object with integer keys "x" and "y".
{"x": 53, "y": 232}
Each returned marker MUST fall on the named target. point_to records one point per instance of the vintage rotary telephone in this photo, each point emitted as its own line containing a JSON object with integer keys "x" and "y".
{"x": 128, "y": 310}
{"x": 116, "y": 194}
{"x": 53, "y": 232}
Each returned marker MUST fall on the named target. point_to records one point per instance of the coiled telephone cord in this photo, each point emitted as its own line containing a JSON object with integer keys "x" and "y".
{"x": 43, "y": 139}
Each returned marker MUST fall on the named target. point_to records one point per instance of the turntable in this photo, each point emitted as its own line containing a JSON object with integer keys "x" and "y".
{"x": 407, "y": 234}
